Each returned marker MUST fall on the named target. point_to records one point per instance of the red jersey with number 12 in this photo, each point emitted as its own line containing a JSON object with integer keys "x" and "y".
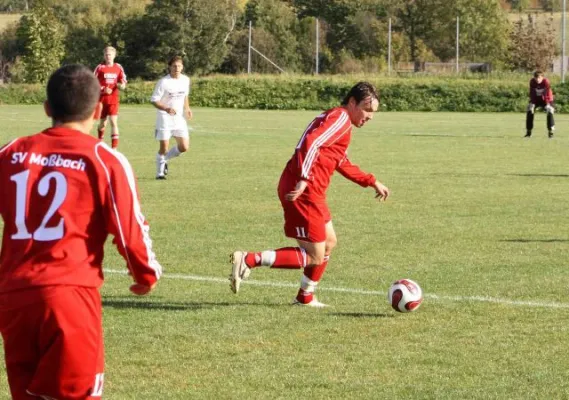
{"x": 322, "y": 149}
{"x": 61, "y": 193}
{"x": 109, "y": 76}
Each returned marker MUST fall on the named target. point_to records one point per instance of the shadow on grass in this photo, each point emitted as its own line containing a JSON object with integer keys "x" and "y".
{"x": 126, "y": 303}
{"x": 535, "y": 240}
{"x": 542, "y": 175}
{"x": 361, "y": 315}
{"x": 451, "y": 136}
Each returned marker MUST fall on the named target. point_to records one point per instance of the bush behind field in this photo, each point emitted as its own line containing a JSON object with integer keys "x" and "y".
{"x": 317, "y": 93}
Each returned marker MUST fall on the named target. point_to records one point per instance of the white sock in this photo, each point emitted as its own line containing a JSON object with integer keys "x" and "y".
{"x": 173, "y": 152}
{"x": 160, "y": 162}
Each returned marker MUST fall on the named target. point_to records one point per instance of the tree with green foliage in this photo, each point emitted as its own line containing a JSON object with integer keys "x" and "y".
{"x": 277, "y": 19}
{"x": 197, "y": 30}
{"x": 531, "y": 47}
{"x": 42, "y": 35}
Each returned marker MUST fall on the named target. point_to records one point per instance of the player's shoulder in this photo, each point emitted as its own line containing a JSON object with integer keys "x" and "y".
{"x": 110, "y": 158}
{"x": 335, "y": 112}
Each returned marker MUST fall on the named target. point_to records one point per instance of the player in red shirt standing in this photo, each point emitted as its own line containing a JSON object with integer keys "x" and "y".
{"x": 62, "y": 192}
{"x": 111, "y": 78}
{"x": 540, "y": 96}
{"x": 322, "y": 149}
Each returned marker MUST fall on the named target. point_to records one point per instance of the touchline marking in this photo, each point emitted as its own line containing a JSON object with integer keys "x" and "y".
{"x": 480, "y": 299}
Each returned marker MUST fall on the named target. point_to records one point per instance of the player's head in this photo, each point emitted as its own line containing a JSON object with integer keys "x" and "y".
{"x": 538, "y": 76}
{"x": 72, "y": 94}
{"x": 361, "y": 102}
{"x": 175, "y": 66}
{"x": 109, "y": 53}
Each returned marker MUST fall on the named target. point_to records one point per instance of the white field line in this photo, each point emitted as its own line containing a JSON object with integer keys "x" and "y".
{"x": 481, "y": 299}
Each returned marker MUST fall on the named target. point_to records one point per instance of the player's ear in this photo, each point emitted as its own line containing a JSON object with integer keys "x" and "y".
{"x": 47, "y": 108}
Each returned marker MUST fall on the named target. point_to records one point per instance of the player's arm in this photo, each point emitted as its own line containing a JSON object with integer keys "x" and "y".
{"x": 548, "y": 97}
{"x": 352, "y": 172}
{"x": 157, "y": 95}
{"x": 187, "y": 109}
{"x": 125, "y": 221}
{"x": 104, "y": 88}
{"x": 121, "y": 79}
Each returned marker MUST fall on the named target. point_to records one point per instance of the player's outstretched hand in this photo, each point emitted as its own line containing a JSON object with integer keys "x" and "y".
{"x": 141, "y": 290}
{"x": 381, "y": 191}
{"x": 298, "y": 190}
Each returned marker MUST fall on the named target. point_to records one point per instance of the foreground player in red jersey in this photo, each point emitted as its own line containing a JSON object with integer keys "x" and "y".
{"x": 61, "y": 193}
{"x": 540, "y": 96}
{"x": 302, "y": 191}
{"x": 111, "y": 78}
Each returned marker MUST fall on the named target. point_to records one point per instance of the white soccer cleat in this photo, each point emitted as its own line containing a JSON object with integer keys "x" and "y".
{"x": 314, "y": 303}
{"x": 239, "y": 270}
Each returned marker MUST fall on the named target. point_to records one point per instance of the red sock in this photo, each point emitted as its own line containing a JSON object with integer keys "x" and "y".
{"x": 287, "y": 257}
{"x": 101, "y": 133}
{"x": 314, "y": 274}
{"x": 114, "y": 142}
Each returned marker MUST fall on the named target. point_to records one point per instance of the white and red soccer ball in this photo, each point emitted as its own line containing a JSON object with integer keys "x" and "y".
{"x": 405, "y": 295}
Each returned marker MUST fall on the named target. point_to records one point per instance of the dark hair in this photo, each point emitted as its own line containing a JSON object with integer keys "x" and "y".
{"x": 537, "y": 73}
{"x": 72, "y": 93}
{"x": 361, "y": 91}
{"x": 175, "y": 59}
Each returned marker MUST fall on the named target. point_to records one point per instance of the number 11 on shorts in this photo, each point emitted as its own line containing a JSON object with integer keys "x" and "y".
{"x": 300, "y": 232}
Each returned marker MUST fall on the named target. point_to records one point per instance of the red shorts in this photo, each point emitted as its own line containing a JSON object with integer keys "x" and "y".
{"x": 304, "y": 219}
{"x": 108, "y": 110}
{"x": 53, "y": 342}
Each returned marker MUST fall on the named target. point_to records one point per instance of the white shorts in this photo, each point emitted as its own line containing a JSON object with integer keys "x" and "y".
{"x": 168, "y": 126}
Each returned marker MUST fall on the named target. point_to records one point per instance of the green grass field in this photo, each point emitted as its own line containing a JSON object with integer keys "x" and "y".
{"x": 478, "y": 216}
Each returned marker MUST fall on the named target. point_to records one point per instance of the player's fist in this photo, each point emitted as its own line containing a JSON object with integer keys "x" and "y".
{"x": 141, "y": 290}
{"x": 108, "y": 90}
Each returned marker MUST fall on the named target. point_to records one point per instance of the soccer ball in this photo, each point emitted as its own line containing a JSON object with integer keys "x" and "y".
{"x": 405, "y": 295}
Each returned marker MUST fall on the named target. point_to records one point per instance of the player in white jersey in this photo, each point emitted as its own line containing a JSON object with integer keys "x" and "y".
{"x": 170, "y": 97}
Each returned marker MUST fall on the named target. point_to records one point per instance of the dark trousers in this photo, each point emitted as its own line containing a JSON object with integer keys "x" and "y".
{"x": 531, "y": 113}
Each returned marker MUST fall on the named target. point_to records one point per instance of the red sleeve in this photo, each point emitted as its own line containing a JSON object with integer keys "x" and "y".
{"x": 98, "y": 75}
{"x": 354, "y": 173}
{"x": 335, "y": 124}
{"x": 122, "y": 76}
{"x": 124, "y": 218}
{"x": 548, "y": 96}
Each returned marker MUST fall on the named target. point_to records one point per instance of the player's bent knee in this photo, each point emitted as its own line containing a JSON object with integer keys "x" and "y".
{"x": 331, "y": 244}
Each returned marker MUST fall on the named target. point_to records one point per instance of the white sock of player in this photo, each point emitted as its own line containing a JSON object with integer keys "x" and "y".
{"x": 173, "y": 152}
{"x": 160, "y": 162}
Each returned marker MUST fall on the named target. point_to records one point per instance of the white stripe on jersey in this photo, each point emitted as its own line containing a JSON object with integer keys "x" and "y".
{"x": 152, "y": 262}
{"x": 308, "y": 129}
{"x": 313, "y": 151}
{"x": 123, "y": 73}
{"x": 8, "y": 145}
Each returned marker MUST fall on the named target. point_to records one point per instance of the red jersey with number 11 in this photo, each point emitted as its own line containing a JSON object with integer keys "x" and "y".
{"x": 61, "y": 193}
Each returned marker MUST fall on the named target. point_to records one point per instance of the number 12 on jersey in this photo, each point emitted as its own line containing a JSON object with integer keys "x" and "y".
{"x": 43, "y": 233}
